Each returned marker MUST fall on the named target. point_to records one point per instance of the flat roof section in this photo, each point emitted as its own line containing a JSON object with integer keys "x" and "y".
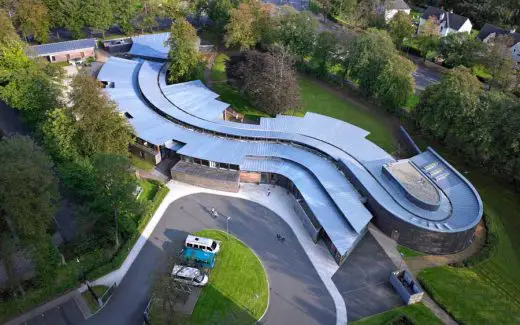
{"x": 54, "y": 48}
{"x": 150, "y": 46}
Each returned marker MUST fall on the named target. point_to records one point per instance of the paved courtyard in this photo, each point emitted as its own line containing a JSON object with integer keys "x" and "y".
{"x": 297, "y": 294}
{"x": 363, "y": 280}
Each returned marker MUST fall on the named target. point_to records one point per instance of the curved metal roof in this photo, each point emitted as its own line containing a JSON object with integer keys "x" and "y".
{"x": 304, "y": 141}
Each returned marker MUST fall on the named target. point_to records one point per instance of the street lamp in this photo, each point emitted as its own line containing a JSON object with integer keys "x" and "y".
{"x": 227, "y": 224}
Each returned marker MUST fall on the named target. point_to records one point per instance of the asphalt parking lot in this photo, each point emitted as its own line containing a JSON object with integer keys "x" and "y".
{"x": 297, "y": 294}
{"x": 363, "y": 280}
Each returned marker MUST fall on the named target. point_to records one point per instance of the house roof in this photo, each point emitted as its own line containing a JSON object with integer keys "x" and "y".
{"x": 452, "y": 20}
{"x": 52, "y": 48}
{"x": 397, "y": 5}
{"x": 489, "y": 29}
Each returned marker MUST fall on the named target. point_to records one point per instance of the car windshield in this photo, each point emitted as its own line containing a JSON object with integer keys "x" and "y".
{"x": 214, "y": 245}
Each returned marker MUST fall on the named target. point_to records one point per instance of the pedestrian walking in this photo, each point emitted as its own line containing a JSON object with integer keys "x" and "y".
{"x": 282, "y": 239}
{"x": 278, "y": 236}
{"x": 268, "y": 192}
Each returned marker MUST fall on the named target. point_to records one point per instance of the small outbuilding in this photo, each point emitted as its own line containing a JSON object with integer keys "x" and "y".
{"x": 64, "y": 51}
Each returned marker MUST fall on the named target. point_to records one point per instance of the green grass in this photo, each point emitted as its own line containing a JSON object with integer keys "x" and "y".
{"x": 318, "y": 99}
{"x": 237, "y": 101}
{"x": 140, "y": 163}
{"x": 408, "y": 252}
{"x": 411, "y": 102}
{"x": 91, "y": 302}
{"x": 418, "y": 313}
{"x": 237, "y": 292}
{"x": 218, "y": 70}
{"x": 150, "y": 189}
{"x": 488, "y": 292}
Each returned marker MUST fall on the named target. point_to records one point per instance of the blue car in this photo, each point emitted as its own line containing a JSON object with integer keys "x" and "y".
{"x": 200, "y": 258}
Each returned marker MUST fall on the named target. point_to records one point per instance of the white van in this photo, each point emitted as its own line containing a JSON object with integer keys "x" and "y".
{"x": 189, "y": 275}
{"x": 204, "y": 244}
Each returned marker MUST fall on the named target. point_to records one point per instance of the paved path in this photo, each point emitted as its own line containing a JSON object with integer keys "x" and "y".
{"x": 298, "y": 293}
{"x": 390, "y": 247}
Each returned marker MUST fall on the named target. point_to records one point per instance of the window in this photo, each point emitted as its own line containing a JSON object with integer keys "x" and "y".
{"x": 189, "y": 245}
{"x": 196, "y": 246}
{"x": 212, "y": 164}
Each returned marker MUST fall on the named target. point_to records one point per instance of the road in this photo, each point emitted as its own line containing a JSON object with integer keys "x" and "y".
{"x": 297, "y": 295}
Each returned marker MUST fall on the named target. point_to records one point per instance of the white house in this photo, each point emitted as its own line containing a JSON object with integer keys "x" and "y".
{"x": 489, "y": 32}
{"x": 390, "y": 8}
{"x": 448, "y": 21}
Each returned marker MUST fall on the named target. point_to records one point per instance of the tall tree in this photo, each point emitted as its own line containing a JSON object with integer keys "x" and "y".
{"x": 429, "y": 36}
{"x": 100, "y": 127}
{"x": 67, "y": 14}
{"x": 97, "y": 15}
{"x": 248, "y": 24}
{"x": 268, "y": 79}
{"x": 395, "y": 83}
{"x": 28, "y": 187}
{"x": 218, "y": 12}
{"x": 400, "y": 28}
{"x": 461, "y": 49}
{"x": 298, "y": 32}
{"x": 183, "y": 56}
{"x": 124, "y": 11}
{"x": 59, "y": 134}
{"x": 325, "y": 52}
{"x": 32, "y": 19}
{"x": 7, "y": 31}
{"x": 499, "y": 62}
{"x": 27, "y": 85}
{"x": 116, "y": 185}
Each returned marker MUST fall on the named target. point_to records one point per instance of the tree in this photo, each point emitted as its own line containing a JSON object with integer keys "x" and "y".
{"x": 7, "y": 30}
{"x": 325, "y": 51}
{"x": 499, "y": 62}
{"x": 115, "y": 185}
{"x": 218, "y": 12}
{"x": 124, "y": 11}
{"x": 461, "y": 49}
{"x": 444, "y": 105}
{"x": 268, "y": 79}
{"x": 366, "y": 56}
{"x": 59, "y": 134}
{"x": 248, "y": 24}
{"x": 32, "y": 19}
{"x": 344, "y": 8}
{"x": 326, "y": 7}
{"x": 28, "y": 187}
{"x": 298, "y": 32}
{"x": 429, "y": 36}
{"x": 395, "y": 82}
{"x": 97, "y": 14}
{"x": 183, "y": 56}
{"x": 400, "y": 28}
{"x": 27, "y": 85}
{"x": 100, "y": 127}
{"x": 149, "y": 11}
{"x": 66, "y": 13}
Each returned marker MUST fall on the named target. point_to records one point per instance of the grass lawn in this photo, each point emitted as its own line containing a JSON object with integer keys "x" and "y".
{"x": 218, "y": 70}
{"x": 408, "y": 252}
{"x": 317, "y": 98}
{"x": 237, "y": 292}
{"x": 489, "y": 292}
{"x": 239, "y": 103}
{"x": 140, "y": 163}
{"x": 91, "y": 302}
{"x": 150, "y": 189}
{"x": 418, "y": 313}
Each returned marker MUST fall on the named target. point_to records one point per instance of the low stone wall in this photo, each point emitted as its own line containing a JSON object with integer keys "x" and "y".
{"x": 212, "y": 178}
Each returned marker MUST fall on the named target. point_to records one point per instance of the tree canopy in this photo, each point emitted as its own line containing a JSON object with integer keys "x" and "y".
{"x": 32, "y": 19}
{"x": 100, "y": 127}
{"x": 298, "y": 32}
{"x": 248, "y": 24}
{"x": 183, "y": 56}
{"x": 400, "y": 28}
{"x": 28, "y": 187}
{"x": 268, "y": 79}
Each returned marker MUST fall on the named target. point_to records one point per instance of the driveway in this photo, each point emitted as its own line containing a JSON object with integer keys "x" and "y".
{"x": 363, "y": 280}
{"x": 297, "y": 295}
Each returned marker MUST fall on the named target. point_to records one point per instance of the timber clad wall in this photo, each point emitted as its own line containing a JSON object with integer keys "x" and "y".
{"x": 247, "y": 177}
{"x": 65, "y": 56}
{"x": 216, "y": 179}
